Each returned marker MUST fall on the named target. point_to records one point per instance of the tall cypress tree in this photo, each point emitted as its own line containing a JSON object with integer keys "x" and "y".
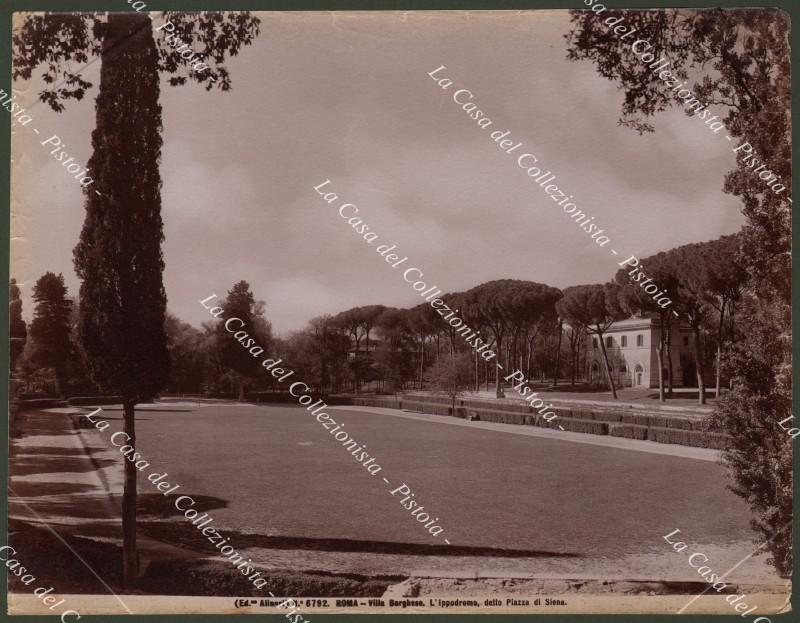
{"x": 121, "y": 320}
{"x": 118, "y": 257}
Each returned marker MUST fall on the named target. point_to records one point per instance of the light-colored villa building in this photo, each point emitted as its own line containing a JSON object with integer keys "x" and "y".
{"x": 631, "y": 345}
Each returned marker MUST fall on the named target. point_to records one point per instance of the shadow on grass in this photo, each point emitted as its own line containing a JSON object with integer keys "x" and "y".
{"x": 27, "y": 489}
{"x": 74, "y": 567}
{"x": 56, "y": 465}
{"x": 184, "y": 534}
{"x": 56, "y": 564}
{"x": 73, "y": 507}
{"x": 53, "y": 451}
{"x": 156, "y": 505}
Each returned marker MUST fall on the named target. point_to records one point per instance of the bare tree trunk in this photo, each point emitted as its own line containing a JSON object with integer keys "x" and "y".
{"x": 241, "y": 390}
{"x": 129, "y": 553}
{"x": 698, "y": 356}
{"x": 668, "y": 345}
{"x": 421, "y": 360}
{"x": 59, "y": 384}
{"x": 558, "y": 353}
{"x": 356, "y": 384}
{"x": 573, "y": 356}
{"x": 607, "y": 365}
{"x": 498, "y": 388}
{"x": 530, "y": 358}
{"x": 719, "y": 349}
{"x": 511, "y": 363}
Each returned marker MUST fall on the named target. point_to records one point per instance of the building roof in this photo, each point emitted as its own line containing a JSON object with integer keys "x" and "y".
{"x": 639, "y": 322}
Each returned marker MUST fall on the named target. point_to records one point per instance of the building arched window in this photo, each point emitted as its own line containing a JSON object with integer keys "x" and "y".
{"x": 638, "y": 375}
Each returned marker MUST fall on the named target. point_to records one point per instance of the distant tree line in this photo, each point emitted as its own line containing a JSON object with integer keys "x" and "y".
{"x": 533, "y": 327}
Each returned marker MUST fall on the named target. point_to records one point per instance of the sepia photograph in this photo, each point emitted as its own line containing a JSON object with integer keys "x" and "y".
{"x": 400, "y": 312}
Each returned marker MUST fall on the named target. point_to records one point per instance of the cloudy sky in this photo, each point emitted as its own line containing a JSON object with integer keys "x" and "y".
{"x": 346, "y": 97}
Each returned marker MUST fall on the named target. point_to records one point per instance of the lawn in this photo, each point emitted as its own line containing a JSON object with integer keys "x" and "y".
{"x": 273, "y": 477}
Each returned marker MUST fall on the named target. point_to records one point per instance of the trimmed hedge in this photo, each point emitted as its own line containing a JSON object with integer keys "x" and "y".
{"x": 582, "y": 414}
{"x": 514, "y": 407}
{"x": 697, "y": 439}
{"x": 425, "y": 407}
{"x": 428, "y": 398}
{"x": 496, "y": 405}
{"x": 387, "y": 402}
{"x": 639, "y": 426}
{"x": 501, "y": 417}
{"x": 663, "y": 421}
{"x": 599, "y": 415}
{"x": 645, "y": 419}
{"x": 570, "y": 424}
{"x": 629, "y": 431}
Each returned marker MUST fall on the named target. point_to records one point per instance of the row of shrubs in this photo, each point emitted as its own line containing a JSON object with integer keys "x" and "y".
{"x": 527, "y": 419}
{"x": 600, "y": 414}
{"x": 424, "y": 407}
{"x": 645, "y": 427}
{"x": 390, "y": 402}
{"x": 660, "y": 434}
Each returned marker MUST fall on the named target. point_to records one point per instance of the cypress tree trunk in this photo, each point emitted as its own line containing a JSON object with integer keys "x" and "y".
{"x": 129, "y": 553}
